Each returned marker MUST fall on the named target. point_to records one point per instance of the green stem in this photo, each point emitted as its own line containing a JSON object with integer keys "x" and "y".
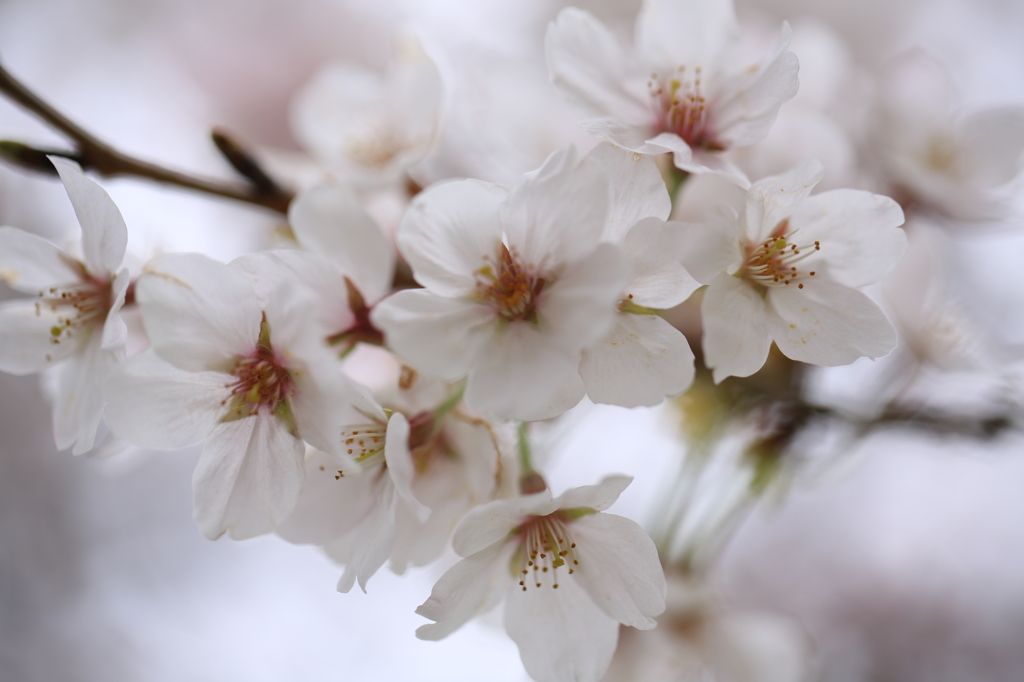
{"x": 525, "y": 461}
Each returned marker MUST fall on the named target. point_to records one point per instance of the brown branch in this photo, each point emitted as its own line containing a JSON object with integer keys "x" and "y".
{"x": 98, "y": 156}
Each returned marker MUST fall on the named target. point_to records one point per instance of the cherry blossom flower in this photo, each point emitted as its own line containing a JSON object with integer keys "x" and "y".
{"x": 952, "y": 164}
{"x": 371, "y": 127}
{"x": 569, "y": 574}
{"x": 345, "y": 259}
{"x": 785, "y": 270}
{"x": 419, "y": 475}
{"x": 643, "y": 358}
{"x": 683, "y": 90}
{"x": 75, "y": 320}
{"x": 516, "y": 286}
{"x": 248, "y": 375}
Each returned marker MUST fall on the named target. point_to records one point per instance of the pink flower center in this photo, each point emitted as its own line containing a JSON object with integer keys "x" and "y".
{"x": 261, "y": 380}
{"x": 545, "y": 546}
{"x": 774, "y": 261}
{"x": 509, "y": 287}
{"x": 680, "y": 107}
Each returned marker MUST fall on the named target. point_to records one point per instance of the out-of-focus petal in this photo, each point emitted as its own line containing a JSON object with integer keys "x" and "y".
{"x": 587, "y": 64}
{"x": 328, "y": 220}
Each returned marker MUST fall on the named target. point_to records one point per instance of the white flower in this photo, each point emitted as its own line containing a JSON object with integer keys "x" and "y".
{"x": 516, "y": 285}
{"x": 419, "y": 475}
{"x": 75, "y": 319}
{"x": 643, "y": 358}
{"x": 568, "y": 573}
{"x": 683, "y": 91}
{"x": 372, "y": 127}
{"x": 949, "y": 163}
{"x": 784, "y": 270}
{"x": 249, "y": 376}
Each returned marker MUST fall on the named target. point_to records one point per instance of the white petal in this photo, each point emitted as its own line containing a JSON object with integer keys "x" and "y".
{"x": 115, "y": 331}
{"x": 736, "y": 338}
{"x": 828, "y": 324}
{"x": 492, "y": 522}
{"x": 268, "y": 271}
{"x": 372, "y": 542}
{"x": 30, "y": 264}
{"x": 587, "y": 65}
{"x": 598, "y": 497}
{"x": 859, "y": 234}
{"x": 699, "y": 160}
{"x": 992, "y": 142}
{"x": 643, "y": 360}
{"x": 442, "y": 335}
{"x": 104, "y": 234}
{"x": 467, "y": 589}
{"x": 333, "y": 502}
{"x": 78, "y": 405}
{"x": 26, "y": 344}
{"x": 713, "y": 245}
{"x": 619, "y": 568}
{"x": 747, "y": 104}
{"x": 450, "y": 231}
{"x": 773, "y": 199}
{"x": 637, "y": 189}
{"x": 655, "y": 249}
{"x": 561, "y": 634}
{"x": 556, "y": 214}
{"x": 248, "y": 477}
{"x": 401, "y": 468}
{"x": 521, "y": 375}
{"x": 153, "y": 404}
{"x": 330, "y": 221}
{"x": 628, "y": 135}
{"x": 579, "y": 308}
{"x": 673, "y": 33}
{"x": 199, "y": 314}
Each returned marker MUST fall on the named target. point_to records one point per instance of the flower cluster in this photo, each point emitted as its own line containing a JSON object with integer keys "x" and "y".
{"x": 369, "y": 388}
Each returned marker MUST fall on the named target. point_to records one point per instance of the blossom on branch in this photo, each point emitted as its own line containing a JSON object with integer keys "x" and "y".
{"x": 682, "y": 91}
{"x": 786, "y": 269}
{"x": 516, "y": 282}
{"x": 569, "y": 575}
{"x": 75, "y": 320}
{"x": 248, "y": 375}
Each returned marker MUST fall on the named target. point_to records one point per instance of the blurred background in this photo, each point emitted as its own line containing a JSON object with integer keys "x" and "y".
{"x": 902, "y": 561}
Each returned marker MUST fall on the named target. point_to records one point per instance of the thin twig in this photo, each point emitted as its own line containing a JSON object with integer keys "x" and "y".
{"x": 98, "y": 156}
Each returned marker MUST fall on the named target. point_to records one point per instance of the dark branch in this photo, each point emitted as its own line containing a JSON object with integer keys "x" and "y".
{"x": 95, "y": 155}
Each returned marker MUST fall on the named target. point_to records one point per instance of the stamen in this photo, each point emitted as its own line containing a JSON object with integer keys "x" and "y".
{"x": 680, "y": 107}
{"x": 773, "y": 262}
{"x": 509, "y": 286}
{"x": 545, "y": 545}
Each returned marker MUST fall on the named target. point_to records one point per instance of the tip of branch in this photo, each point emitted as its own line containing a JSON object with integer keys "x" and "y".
{"x": 243, "y": 161}
{"x": 27, "y": 157}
